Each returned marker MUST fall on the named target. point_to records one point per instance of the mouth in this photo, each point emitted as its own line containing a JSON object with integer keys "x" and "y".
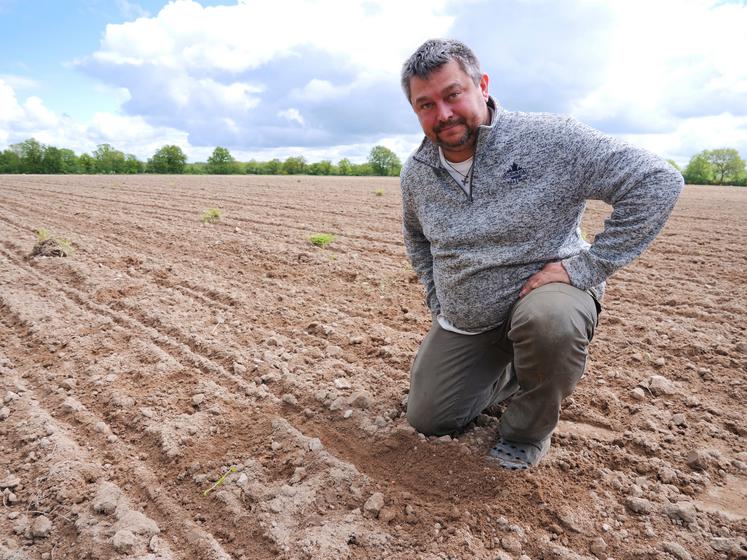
{"x": 448, "y": 126}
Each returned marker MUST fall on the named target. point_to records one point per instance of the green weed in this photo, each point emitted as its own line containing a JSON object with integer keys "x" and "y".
{"x": 49, "y": 245}
{"x": 379, "y": 192}
{"x": 220, "y": 481}
{"x": 65, "y": 245}
{"x": 210, "y": 216}
{"x": 321, "y": 239}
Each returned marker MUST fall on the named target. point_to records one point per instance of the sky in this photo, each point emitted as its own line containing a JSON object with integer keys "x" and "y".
{"x": 320, "y": 78}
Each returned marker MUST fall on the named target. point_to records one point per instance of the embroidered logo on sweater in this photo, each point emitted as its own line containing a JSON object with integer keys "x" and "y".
{"x": 514, "y": 175}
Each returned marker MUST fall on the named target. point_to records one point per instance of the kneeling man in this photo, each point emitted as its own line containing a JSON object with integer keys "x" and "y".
{"x": 492, "y": 205}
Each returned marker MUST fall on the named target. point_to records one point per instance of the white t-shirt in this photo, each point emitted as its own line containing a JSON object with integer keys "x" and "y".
{"x": 462, "y": 171}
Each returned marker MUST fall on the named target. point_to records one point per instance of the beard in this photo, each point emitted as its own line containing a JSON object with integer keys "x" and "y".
{"x": 467, "y": 137}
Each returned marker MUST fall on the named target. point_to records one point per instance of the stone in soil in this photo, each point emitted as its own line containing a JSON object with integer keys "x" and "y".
{"x": 361, "y": 400}
{"x": 683, "y": 511}
{"x": 598, "y": 548}
{"x": 123, "y": 541}
{"x": 660, "y": 385}
{"x": 676, "y": 550}
{"x": 639, "y": 505}
{"x": 10, "y": 481}
{"x": 511, "y": 544}
{"x": 697, "y": 459}
{"x": 136, "y": 522}
{"x": 106, "y": 499}
{"x": 373, "y": 505}
{"x": 41, "y": 527}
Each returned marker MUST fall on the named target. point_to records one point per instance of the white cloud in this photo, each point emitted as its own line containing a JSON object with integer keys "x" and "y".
{"x": 669, "y": 60}
{"x": 292, "y": 114}
{"x": 694, "y": 135}
{"x": 32, "y": 118}
{"x": 131, "y": 10}
{"x": 119, "y": 94}
{"x": 19, "y": 82}
{"x": 241, "y": 37}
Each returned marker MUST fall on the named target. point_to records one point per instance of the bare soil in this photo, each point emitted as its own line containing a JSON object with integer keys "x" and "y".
{"x": 166, "y": 353}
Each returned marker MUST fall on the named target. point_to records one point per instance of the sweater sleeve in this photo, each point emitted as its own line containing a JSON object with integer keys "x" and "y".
{"x": 641, "y": 188}
{"x": 418, "y": 247}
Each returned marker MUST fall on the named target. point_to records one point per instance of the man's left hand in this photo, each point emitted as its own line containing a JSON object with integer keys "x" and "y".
{"x": 551, "y": 272}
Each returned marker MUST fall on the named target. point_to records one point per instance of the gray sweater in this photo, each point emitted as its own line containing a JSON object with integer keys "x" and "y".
{"x": 532, "y": 176}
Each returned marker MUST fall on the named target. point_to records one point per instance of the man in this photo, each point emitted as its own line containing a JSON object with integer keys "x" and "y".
{"x": 492, "y": 205}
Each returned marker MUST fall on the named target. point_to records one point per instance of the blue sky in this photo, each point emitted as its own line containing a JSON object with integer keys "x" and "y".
{"x": 319, "y": 78}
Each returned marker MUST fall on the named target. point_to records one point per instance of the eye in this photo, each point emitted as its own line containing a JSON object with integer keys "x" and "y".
{"x": 454, "y": 95}
{"x": 426, "y": 106}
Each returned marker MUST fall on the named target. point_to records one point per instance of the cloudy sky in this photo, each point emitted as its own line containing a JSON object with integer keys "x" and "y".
{"x": 320, "y": 78}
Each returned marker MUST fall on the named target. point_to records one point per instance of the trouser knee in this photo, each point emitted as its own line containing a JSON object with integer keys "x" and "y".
{"x": 551, "y": 333}
{"x": 429, "y": 421}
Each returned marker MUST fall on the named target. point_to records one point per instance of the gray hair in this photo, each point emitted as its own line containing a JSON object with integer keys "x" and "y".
{"x": 433, "y": 54}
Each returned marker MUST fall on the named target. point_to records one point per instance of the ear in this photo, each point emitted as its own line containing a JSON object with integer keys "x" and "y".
{"x": 484, "y": 86}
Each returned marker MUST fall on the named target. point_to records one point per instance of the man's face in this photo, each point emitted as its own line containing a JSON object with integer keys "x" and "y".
{"x": 450, "y": 107}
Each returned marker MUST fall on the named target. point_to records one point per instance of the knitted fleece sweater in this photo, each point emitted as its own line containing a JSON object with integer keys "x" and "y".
{"x": 532, "y": 176}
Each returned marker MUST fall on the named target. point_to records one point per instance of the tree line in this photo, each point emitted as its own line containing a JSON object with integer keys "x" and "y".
{"x": 30, "y": 156}
{"x": 723, "y": 166}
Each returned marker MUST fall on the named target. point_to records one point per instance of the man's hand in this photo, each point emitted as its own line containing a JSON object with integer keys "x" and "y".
{"x": 551, "y": 272}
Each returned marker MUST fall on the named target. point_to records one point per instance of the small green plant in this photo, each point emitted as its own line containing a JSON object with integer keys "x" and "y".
{"x": 210, "y": 216}
{"x": 321, "y": 239}
{"x": 48, "y": 245}
{"x": 379, "y": 192}
{"x": 220, "y": 481}
{"x": 65, "y": 245}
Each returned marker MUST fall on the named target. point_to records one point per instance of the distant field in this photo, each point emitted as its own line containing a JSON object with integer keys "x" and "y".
{"x": 165, "y": 351}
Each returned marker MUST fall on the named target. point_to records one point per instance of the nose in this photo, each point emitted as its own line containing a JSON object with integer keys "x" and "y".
{"x": 444, "y": 111}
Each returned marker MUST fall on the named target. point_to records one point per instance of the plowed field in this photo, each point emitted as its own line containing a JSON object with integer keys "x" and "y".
{"x": 183, "y": 390}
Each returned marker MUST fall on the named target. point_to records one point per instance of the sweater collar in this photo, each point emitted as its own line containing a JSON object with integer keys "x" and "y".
{"x": 427, "y": 152}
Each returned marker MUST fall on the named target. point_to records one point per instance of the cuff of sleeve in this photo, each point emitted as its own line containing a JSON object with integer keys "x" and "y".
{"x": 581, "y": 271}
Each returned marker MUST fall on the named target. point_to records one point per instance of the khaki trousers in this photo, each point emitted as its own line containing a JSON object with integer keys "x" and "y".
{"x": 538, "y": 355}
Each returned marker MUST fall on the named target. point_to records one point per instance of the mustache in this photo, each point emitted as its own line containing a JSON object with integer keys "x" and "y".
{"x": 451, "y": 122}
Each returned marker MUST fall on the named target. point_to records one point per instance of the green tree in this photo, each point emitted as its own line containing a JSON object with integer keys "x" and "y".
{"x": 87, "y": 164}
{"x": 221, "y": 162}
{"x": 294, "y": 165}
{"x": 108, "y": 160}
{"x": 253, "y": 167}
{"x": 51, "y": 160}
{"x": 168, "y": 159}
{"x": 384, "y": 161}
{"x": 361, "y": 169}
{"x": 132, "y": 165}
{"x": 345, "y": 167}
{"x": 196, "y": 168}
{"x": 31, "y": 154}
{"x": 727, "y": 166}
{"x": 272, "y": 167}
{"x": 698, "y": 171}
{"x": 69, "y": 161}
{"x": 323, "y": 167}
{"x": 10, "y": 162}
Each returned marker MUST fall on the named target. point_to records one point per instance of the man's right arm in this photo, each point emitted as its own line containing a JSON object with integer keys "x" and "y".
{"x": 418, "y": 249}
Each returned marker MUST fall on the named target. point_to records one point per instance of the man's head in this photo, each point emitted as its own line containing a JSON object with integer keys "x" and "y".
{"x": 448, "y": 92}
